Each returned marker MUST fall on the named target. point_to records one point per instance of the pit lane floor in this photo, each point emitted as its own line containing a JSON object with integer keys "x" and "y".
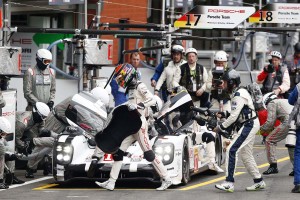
{"x": 200, "y": 187}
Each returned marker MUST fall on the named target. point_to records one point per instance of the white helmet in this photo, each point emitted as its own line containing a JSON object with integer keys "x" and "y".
{"x": 5, "y": 125}
{"x": 267, "y": 98}
{"x": 221, "y": 56}
{"x": 44, "y": 54}
{"x": 158, "y": 102}
{"x": 101, "y": 94}
{"x": 177, "y": 48}
{"x": 42, "y": 109}
{"x": 276, "y": 54}
{"x": 191, "y": 50}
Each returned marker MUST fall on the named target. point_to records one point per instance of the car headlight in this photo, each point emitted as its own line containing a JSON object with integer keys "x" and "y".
{"x": 64, "y": 153}
{"x": 164, "y": 152}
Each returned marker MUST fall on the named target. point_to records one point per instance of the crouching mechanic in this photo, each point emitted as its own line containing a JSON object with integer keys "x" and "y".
{"x": 244, "y": 117}
{"x": 139, "y": 97}
{"x": 5, "y": 129}
{"x": 277, "y": 109}
{"x": 27, "y": 120}
{"x": 56, "y": 123}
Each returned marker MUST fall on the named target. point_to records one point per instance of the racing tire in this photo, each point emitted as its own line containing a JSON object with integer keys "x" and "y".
{"x": 220, "y": 159}
{"x": 186, "y": 177}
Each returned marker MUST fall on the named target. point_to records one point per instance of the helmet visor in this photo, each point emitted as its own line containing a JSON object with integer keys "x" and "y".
{"x": 46, "y": 61}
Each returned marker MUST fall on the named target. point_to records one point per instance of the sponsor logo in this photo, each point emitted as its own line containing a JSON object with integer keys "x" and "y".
{"x": 225, "y": 11}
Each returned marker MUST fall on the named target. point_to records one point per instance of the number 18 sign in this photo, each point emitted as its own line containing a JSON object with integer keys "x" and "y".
{"x": 214, "y": 17}
{"x": 277, "y": 13}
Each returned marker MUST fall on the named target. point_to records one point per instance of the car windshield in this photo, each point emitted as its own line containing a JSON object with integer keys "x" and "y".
{"x": 85, "y": 118}
{"x": 176, "y": 113}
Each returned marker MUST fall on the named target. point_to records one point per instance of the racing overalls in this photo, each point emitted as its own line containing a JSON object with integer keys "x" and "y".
{"x": 24, "y": 123}
{"x": 277, "y": 109}
{"x": 244, "y": 117}
{"x": 293, "y": 98}
{"x": 39, "y": 86}
{"x": 171, "y": 75}
{"x": 139, "y": 93}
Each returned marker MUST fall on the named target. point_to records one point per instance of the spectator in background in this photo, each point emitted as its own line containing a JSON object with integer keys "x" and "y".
{"x": 275, "y": 76}
{"x": 194, "y": 78}
{"x": 171, "y": 73}
{"x": 119, "y": 92}
{"x": 39, "y": 81}
{"x": 293, "y": 64}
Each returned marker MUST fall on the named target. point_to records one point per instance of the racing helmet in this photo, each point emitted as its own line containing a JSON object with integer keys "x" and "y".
{"x": 5, "y": 126}
{"x": 267, "y": 98}
{"x": 233, "y": 79}
{"x": 297, "y": 47}
{"x": 42, "y": 109}
{"x": 100, "y": 94}
{"x": 191, "y": 50}
{"x": 221, "y": 56}
{"x": 177, "y": 49}
{"x": 124, "y": 74}
{"x": 276, "y": 54}
{"x": 43, "y": 58}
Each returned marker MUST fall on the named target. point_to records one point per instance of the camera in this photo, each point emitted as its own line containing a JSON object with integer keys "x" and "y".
{"x": 270, "y": 68}
{"x": 217, "y": 73}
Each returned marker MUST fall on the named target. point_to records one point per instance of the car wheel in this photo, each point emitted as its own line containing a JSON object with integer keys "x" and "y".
{"x": 185, "y": 164}
{"x": 219, "y": 150}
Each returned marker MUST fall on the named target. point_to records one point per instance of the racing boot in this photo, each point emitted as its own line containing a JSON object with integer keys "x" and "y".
{"x": 93, "y": 167}
{"x": 3, "y": 185}
{"x": 257, "y": 186}
{"x": 29, "y": 173}
{"x": 109, "y": 184}
{"x": 16, "y": 180}
{"x": 225, "y": 186}
{"x": 296, "y": 189}
{"x": 272, "y": 169}
{"x": 215, "y": 167}
{"x": 166, "y": 182}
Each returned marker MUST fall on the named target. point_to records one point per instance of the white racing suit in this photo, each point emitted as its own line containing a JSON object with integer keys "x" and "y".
{"x": 171, "y": 75}
{"x": 242, "y": 111}
{"x": 277, "y": 109}
{"x": 38, "y": 86}
{"x": 136, "y": 95}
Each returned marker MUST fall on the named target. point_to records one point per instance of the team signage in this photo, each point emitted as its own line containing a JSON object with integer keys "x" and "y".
{"x": 277, "y": 13}
{"x": 65, "y": 2}
{"x": 209, "y": 17}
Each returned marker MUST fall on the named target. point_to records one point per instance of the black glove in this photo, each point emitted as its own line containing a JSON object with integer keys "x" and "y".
{"x": 141, "y": 106}
{"x": 50, "y": 104}
{"x": 10, "y": 157}
{"x": 45, "y": 133}
{"x": 269, "y": 68}
{"x": 71, "y": 129}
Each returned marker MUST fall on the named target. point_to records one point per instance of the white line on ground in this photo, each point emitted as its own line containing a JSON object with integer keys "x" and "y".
{"x": 28, "y": 182}
{"x": 77, "y": 196}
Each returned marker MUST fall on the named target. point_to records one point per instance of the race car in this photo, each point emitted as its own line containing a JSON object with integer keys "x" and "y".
{"x": 176, "y": 145}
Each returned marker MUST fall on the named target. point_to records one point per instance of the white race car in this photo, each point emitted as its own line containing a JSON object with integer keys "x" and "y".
{"x": 176, "y": 145}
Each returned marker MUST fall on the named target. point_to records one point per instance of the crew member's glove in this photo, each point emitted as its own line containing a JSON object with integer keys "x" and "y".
{"x": 71, "y": 129}
{"x": 141, "y": 106}
{"x": 11, "y": 157}
{"x": 50, "y": 105}
{"x": 45, "y": 133}
{"x": 131, "y": 107}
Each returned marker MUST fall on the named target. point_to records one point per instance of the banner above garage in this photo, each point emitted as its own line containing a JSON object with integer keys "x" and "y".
{"x": 214, "y": 17}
